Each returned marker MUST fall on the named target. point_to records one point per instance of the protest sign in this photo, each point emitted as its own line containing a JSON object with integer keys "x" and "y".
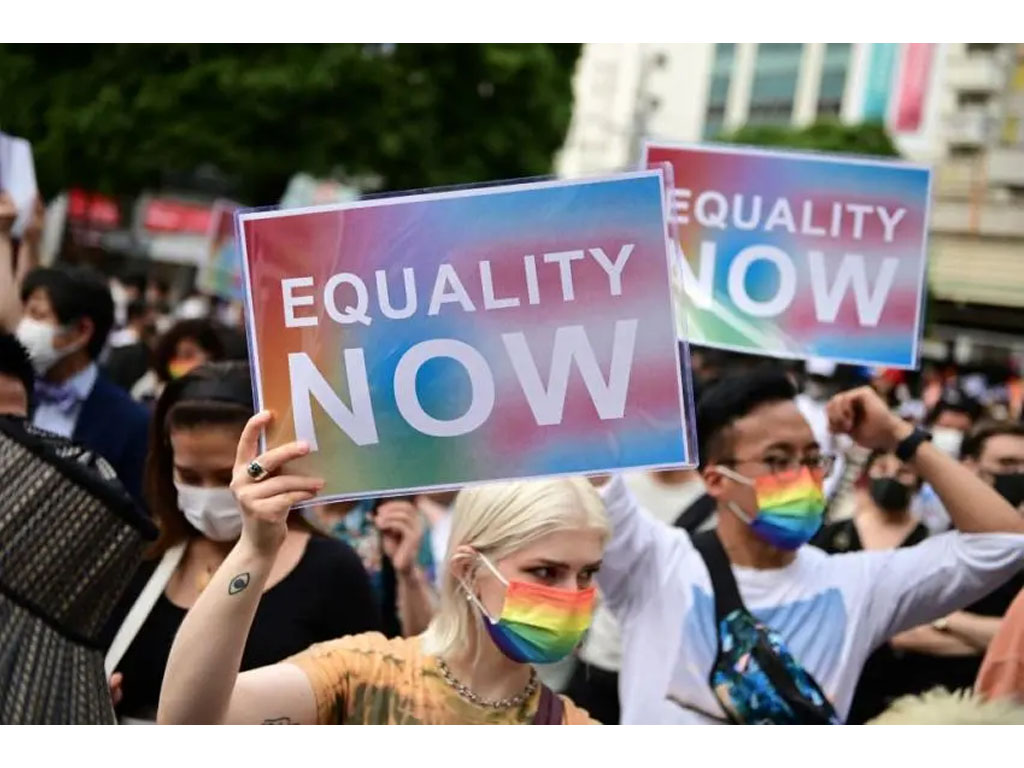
{"x": 433, "y": 340}
{"x": 799, "y": 255}
{"x": 18, "y": 178}
{"x": 221, "y": 274}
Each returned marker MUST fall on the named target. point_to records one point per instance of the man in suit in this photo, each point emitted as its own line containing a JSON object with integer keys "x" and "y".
{"x": 68, "y": 312}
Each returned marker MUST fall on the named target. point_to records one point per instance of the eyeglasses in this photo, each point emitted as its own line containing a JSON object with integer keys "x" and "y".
{"x": 821, "y": 464}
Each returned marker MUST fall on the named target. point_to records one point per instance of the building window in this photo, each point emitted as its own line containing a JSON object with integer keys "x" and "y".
{"x": 718, "y": 89}
{"x": 833, "y": 79}
{"x": 774, "y": 87}
{"x": 972, "y": 99}
{"x": 963, "y": 150}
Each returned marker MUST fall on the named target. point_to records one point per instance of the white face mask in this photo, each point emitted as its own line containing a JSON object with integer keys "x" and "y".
{"x": 948, "y": 440}
{"x": 211, "y": 511}
{"x": 37, "y": 337}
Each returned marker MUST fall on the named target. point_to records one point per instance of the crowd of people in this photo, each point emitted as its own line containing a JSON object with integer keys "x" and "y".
{"x": 850, "y": 539}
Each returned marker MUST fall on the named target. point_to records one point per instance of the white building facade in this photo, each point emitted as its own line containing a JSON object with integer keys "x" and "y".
{"x": 958, "y": 107}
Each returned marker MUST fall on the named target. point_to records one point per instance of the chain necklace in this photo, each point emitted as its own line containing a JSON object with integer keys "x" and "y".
{"x": 507, "y": 703}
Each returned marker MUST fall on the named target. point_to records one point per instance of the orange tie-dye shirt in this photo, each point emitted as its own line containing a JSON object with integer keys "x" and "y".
{"x": 370, "y": 680}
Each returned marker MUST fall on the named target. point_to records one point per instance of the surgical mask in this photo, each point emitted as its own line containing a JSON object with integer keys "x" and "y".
{"x": 538, "y": 624}
{"x": 211, "y": 511}
{"x": 790, "y": 506}
{"x": 1010, "y": 485}
{"x": 890, "y": 494}
{"x": 948, "y": 440}
{"x": 37, "y": 337}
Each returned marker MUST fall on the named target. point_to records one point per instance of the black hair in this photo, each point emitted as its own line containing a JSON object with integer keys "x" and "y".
{"x": 133, "y": 278}
{"x": 136, "y": 309}
{"x": 731, "y": 398}
{"x": 214, "y": 394}
{"x": 956, "y": 401}
{"x": 874, "y": 456}
{"x": 200, "y": 330}
{"x": 75, "y": 292}
{"x": 974, "y": 444}
{"x": 15, "y": 362}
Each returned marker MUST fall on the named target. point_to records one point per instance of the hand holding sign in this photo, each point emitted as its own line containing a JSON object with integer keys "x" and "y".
{"x": 267, "y": 499}
{"x": 426, "y": 341}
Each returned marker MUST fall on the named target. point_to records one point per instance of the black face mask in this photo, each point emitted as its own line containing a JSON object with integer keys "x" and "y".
{"x": 890, "y": 494}
{"x": 1010, "y": 486}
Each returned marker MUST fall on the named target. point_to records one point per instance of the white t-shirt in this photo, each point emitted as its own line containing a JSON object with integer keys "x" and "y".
{"x": 603, "y": 645}
{"x": 830, "y": 610}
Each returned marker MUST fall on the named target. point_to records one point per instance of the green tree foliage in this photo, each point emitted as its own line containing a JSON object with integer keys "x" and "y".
{"x": 121, "y": 118}
{"x": 824, "y": 136}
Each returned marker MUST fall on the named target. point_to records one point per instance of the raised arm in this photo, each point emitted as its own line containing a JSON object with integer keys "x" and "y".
{"x": 201, "y": 682}
{"x": 638, "y": 551}
{"x": 916, "y": 585}
{"x": 10, "y": 301}
{"x": 973, "y": 505}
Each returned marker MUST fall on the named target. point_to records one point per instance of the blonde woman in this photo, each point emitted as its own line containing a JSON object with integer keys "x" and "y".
{"x": 517, "y": 590}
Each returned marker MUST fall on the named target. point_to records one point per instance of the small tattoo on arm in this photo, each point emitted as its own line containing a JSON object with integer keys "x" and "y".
{"x": 238, "y": 583}
{"x": 279, "y": 721}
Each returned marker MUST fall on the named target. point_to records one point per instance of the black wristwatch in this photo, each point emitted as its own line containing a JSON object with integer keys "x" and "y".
{"x": 908, "y": 446}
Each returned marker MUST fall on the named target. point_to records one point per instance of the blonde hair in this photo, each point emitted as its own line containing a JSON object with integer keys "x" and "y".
{"x": 498, "y": 519}
{"x": 941, "y": 707}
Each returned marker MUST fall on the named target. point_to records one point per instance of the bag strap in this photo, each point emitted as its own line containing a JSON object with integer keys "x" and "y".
{"x": 551, "y": 709}
{"x": 694, "y": 516}
{"x": 723, "y": 582}
{"x": 142, "y": 607}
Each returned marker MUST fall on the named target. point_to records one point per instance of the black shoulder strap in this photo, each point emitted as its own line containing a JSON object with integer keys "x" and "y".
{"x": 691, "y": 518}
{"x": 723, "y": 583}
{"x": 551, "y": 709}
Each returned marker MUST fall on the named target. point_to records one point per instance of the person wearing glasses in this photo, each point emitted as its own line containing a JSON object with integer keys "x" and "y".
{"x": 784, "y": 633}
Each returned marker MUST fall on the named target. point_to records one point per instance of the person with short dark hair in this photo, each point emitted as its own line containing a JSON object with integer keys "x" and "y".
{"x": 745, "y": 624}
{"x": 995, "y": 452}
{"x": 951, "y": 419}
{"x": 68, "y": 312}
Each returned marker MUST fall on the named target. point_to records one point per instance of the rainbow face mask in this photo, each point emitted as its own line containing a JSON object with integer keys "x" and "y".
{"x": 538, "y": 624}
{"x": 790, "y": 506}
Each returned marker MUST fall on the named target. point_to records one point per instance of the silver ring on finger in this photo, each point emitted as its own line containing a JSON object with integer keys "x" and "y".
{"x": 256, "y": 471}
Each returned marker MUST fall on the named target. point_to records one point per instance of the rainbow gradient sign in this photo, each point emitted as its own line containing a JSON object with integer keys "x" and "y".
{"x": 434, "y": 340}
{"x": 799, "y": 255}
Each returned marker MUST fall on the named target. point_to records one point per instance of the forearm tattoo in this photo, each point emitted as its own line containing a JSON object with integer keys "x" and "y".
{"x": 238, "y": 583}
